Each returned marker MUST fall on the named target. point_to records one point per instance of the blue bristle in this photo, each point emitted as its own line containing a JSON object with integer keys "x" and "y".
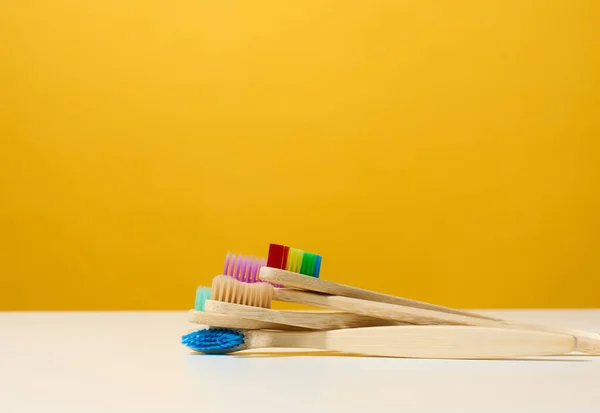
{"x": 317, "y": 269}
{"x": 214, "y": 340}
{"x": 202, "y": 294}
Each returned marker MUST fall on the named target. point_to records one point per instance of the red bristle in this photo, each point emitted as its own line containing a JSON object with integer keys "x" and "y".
{"x": 286, "y": 251}
{"x": 276, "y": 256}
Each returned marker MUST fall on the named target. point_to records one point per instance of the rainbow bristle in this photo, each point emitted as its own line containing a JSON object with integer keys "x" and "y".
{"x": 275, "y": 257}
{"x": 294, "y": 260}
{"x": 286, "y": 252}
{"x": 202, "y": 294}
{"x": 317, "y": 269}
{"x": 308, "y": 264}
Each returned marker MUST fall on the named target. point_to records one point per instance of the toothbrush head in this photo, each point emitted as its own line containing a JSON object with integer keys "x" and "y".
{"x": 243, "y": 268}
{"x": 294, "y": 260}
{"x": 228, "y": 289}
{"x": 215, "y": 340}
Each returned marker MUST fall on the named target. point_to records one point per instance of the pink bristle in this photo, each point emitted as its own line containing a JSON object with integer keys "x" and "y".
{"x": 248, "y": 269}
{"x": 262, "y": 263}
{"x": 244, "y": 268}
{"x": 239, "y": 275}
{"x": 259, "y": 263}
{"x": 252, "y": 269}
{"x": 234, "y": 263}
{"x": 244, "y": 274}
{"x": 227, "y": 258}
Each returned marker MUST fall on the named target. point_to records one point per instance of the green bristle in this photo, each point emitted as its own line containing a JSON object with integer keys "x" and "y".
{"x": 310, "y": 259}
{"x": 307, "y": 264}
{"x": 202, "y": 294}
{"x": 302, "y": 262}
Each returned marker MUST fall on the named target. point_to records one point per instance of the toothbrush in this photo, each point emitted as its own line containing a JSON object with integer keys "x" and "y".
{"x": 366, "y": 302}
{"x": 441, "y": 342}
{"x": 231, "y": 297}
{"x": 199, "y": 316}
{"x": 244, "y": 268}
{"x": 241, "y": 285}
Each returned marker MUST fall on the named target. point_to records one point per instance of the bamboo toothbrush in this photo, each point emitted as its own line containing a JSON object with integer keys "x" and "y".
{"x": 199, "y": 316}
{"x": 229, "y": 294}
{"x": 231, "y": 297}
{"x": 369, "y": 303}
{"x": 245, "y": 268}
{"x": 401, "y": 314}
{"x": 442, "y": 342}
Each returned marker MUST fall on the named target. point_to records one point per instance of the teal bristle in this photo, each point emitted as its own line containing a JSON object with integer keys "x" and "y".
{"x": 202, "y": 294}
{"x": 214, "y": 340}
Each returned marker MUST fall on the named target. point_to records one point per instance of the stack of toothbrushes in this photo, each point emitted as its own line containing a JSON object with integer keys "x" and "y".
{"x": 237, "y": 311}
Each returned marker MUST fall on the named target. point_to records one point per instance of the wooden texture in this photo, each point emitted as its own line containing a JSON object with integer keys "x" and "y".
{"x": 446, "y": 342}
{"x": 316, "y": 320}
{"x": 229, "y": 321}
{"x": 295, "y": 280}
{"x": 586, "y": 342}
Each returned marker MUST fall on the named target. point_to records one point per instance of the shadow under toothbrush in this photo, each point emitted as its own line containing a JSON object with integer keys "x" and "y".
{"x": 325, "y": 353}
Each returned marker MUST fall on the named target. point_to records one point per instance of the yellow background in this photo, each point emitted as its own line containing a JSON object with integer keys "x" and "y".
{"x": 446, "y": 151}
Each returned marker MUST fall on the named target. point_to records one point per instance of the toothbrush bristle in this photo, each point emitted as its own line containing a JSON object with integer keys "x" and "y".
{"x": 275, "y": 257}
{"x": 294, "y": 260}
{"x": 286, "y": 252}
{"x": 255, "y": 267}
{"x": 227, "y": 289}
{"x": 244, "y": 268}
{"x": 238, "y": 267}
{"x": 227, "y": 258}
{"x": 230, "y": 264}
{"x": 214, "y": 340}
{"x": 202, "y": 294}
{"x": 317, "y": 269}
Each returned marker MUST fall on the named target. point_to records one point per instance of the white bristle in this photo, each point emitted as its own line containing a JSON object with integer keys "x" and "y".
{"x": 230, "y": 290}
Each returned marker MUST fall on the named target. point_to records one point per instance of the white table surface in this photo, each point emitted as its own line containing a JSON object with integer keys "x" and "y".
{"x": 129, "y": 362}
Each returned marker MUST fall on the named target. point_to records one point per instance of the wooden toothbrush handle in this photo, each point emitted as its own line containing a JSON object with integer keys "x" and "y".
{"x": 376, "y": 309}
{"x": 293, "y": 280}
{"x": 230, "y": 321}
{"x": 442, "y": 342}
{"x": 449, "y": 342}
{"x": 309, "y": 320}
{"x": 586, "y": 342}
